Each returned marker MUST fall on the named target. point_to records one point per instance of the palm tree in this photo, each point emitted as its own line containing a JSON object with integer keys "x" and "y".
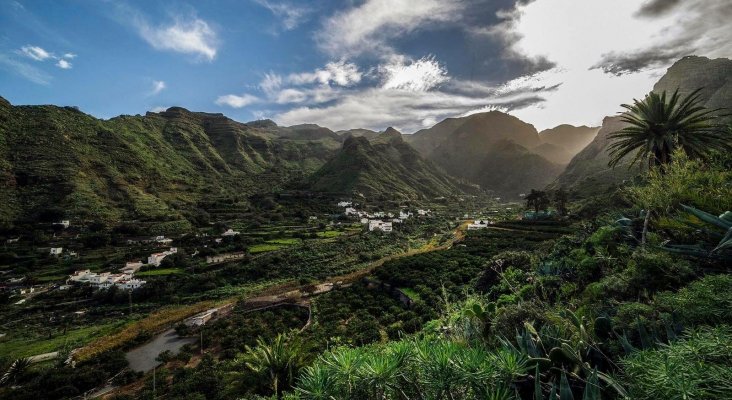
{"x": 280, "y": 361}
{"x": 560, "y": 200}
{"x": 658, "y": 125}
{"x": 537, "y": 199}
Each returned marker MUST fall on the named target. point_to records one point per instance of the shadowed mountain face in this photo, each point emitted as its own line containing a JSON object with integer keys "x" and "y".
{"x": 383, "y": 165}
{"x": 563, "y": 142}
{"x": 588, "y": 171}
{"x": 493, "y": 149}
{"x": 144, "y": 167}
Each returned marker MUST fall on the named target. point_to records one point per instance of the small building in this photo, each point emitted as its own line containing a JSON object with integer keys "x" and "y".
{"x": 218, "y": 258}
{"x": 131, "y": 284}
{"x": 201, "y": 318}
{"x": 379, "y": 225}
{"x": 230, "y": 232}
{"x": 405, "y": 215}
{"x": 350, "y": 211}
{"x": 65, "y": 223}
{"x": 364, "y": 221}
{"x": 163, "y": 240}
{"x": 12, "y": 240}
{"x": 345, "y": 204}
{"x": 423, "y": 213}
{"x": 156, "y": 258}
{"x": 56, "y": 251}
{"x": 478, "y": 224}
{"x": 133, "y": 266}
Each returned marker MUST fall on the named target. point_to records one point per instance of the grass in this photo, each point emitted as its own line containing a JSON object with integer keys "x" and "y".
{"x": 160, "y": 272}
{"x": 26, "y": 345}
{"x": 414, "y": 296}
{"x": 329, "y": 234}
{"x": 263, "y": 248}
{"x": 285, "y": 241}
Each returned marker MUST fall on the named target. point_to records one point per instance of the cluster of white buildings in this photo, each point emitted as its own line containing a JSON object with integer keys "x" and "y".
{"x": 124, "y": 280}
{"x": 106, "y": 280}
{"x": 379, "y": 220}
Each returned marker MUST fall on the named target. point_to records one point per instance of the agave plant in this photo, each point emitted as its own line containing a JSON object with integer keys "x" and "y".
{"x": 719, "y": 228}
{"x": 16, "y": 371}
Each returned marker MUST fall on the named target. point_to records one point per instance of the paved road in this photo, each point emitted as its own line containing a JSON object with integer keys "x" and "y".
{"x": 143, "y": 358}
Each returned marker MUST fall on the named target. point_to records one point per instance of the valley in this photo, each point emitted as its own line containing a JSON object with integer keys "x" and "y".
{"x": 186, "y": 255}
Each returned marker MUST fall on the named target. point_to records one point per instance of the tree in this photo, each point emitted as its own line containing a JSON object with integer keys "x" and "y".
{"x": 538, "y": 200}
{"x": 560, "y": 201}
{"x": 658, "y": 125}
{"x": 280, "y": 361}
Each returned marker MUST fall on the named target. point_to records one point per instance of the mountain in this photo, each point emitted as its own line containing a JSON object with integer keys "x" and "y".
{"x": 588, "y": 171}
{"x": 492, "y": 149}
{"x": 155, "y": 167}
{"x": 383, "y": 165}
{"x": 563, "y": 142}
{"x": 358, "y": 132}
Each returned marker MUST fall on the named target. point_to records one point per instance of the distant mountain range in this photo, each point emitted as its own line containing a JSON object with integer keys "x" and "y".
{"x": 166, "y": 166}
{"x": 500, "y": 152}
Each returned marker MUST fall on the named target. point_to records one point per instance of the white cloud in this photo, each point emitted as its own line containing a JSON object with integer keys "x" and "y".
{"x": 188, "y": 36}
{"x": 578, "y": 36}
{"x": 157, "y": 87}
{"x": 36, "y": 53}
{"x": 69, "y": 56}
{"x": 63, "y": 64}
{"x": 339, "y": 73}
{"x": 418, "y": 76}
{"x": 290, "y": 96}
{"x": 289, "y": 14}
{"x": 237, "y": 101}
{"x": 158, "y": 109}
{"x": 368, "y": 27}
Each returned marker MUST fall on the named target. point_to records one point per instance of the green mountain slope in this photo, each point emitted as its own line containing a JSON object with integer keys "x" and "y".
{"x": 150, "y": 167}
{"x": 384, "y": 165}
{"x": 588, "y": 171}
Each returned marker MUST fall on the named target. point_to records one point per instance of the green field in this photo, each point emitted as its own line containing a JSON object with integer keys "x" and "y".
{"x": 159, "y": 272}
{"x": 410, "y": 293}
{"x": 329, "y": 234}
{"x": 285, "y": 241}
{"x": 263, "y": 248}
{"x": 30, "y": 344}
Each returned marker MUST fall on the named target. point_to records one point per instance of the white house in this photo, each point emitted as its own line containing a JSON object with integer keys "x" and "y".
{"x": 345, "y": 204}
{"x": 230, "y": 232}
{"x": 133, "y": 266}
{"x": 478, "y": 224}
{"x": 80, "y": 276}
{"x": 156, "y": 258}
{"x": 423, "y": 212}
{"x": 163, "y": 240}
{"x": 65, "y": 223}
{"x": 350, "y": 211}
{"x": 224, "y": 257}
{"x": 13, "y": 240}
{"x": 201, "y": 318}
{"x": 379, "y": 225}
{"x": 131, "y": 284}
{"x": 55, "y": 251}
{"x": 405, "y": 215}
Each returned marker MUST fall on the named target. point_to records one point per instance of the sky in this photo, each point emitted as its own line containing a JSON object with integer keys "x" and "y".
{"x": 352, "y": 63}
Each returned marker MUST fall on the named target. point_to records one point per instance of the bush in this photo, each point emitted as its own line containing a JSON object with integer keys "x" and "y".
{"x": 697, "y": 367}
{"x": 706, "y": 301}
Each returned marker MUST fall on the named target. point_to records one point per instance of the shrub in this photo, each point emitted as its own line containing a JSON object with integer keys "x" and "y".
{"x": 697, "y": 367}
{"x": 706, "y": 301}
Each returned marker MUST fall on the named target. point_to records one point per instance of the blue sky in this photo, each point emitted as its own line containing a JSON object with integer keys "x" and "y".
{"x": 348, "y": 64}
